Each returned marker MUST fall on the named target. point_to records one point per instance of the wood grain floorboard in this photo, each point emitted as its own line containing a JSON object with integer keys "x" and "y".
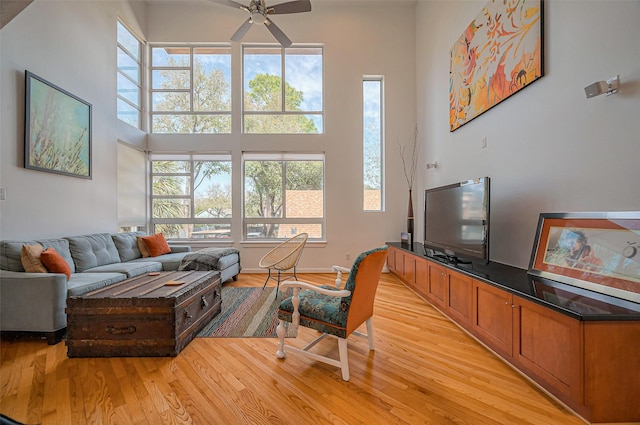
{"x": 425, "y": 370}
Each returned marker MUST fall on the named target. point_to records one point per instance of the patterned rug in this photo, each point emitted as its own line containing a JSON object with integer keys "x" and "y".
{"x": 246, "y": 313}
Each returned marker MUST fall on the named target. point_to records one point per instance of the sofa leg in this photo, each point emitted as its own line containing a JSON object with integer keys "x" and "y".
{"x": 235, "y": 278}
{"x": 55, "y": 337}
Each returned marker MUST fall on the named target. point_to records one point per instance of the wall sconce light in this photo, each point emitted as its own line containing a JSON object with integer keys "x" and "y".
{"x": 431, "y": 165}
{"x": 609, "y": 87}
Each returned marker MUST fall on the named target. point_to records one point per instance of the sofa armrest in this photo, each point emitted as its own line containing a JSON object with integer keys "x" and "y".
{"x": 32, "y": 301}
{"x": 179, "y": 248}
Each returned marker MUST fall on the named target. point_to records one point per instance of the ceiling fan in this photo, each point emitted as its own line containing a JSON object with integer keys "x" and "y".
{"x": 259, "y": 14}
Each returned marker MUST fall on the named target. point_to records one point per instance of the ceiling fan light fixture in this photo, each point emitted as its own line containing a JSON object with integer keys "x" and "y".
{"x": 258, "y": 18}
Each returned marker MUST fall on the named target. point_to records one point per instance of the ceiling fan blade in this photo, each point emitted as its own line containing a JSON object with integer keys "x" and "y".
{"x": 230, "y": 3}
{"x": 296, "y": 6}
{"x": 240, "y": 32}
{"x": 277, "y": 33}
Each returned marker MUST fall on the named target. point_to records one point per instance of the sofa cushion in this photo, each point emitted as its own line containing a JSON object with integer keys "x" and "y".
{"x": 130, "y": 268}
{"x": 127, "y": 245}
{"x": 89, "y": 251}
{"x": 30, "y": 257}
{"x": 156, "y": 244}
{"x": 81, "y": 283}
{"x": 54, "y": 262}
{"x": 169, "y": 262}
{"x": 10, "y": 252}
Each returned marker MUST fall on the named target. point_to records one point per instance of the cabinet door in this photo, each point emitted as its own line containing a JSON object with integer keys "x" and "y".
{"x": 409, "y": 269}
{"x": 438, "y": 285}
{"x": 391, "y": 260}
{"x": 422, "y": 277}
{"x": 492, "y": 317}
{"x": 460, "y": 298}
{"x": 548, "y": 345}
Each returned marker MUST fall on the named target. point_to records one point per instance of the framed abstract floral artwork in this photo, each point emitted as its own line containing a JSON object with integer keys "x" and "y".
{"x": 57, "y": 129}
{"x": 498, "y": 54}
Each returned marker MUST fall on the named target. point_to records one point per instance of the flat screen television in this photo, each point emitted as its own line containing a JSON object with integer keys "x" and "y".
{"x": 456, "y": 221}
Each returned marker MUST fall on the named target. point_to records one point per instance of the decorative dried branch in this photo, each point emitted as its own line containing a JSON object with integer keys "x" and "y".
{"x": 412, "y": 161}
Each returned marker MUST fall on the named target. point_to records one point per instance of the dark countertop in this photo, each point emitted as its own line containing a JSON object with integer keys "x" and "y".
{"x": 581, "y": 304}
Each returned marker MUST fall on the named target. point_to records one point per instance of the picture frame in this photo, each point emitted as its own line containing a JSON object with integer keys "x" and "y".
{"x": 57, "y": 136}
{"x": 499, "y": 53}
{"x": 595, "y": 251}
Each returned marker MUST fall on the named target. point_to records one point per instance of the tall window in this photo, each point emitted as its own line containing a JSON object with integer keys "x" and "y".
{"x": 373, "y": 146}
{"x": 283, "y": 195}
{"x": 191, "y": 89}
{"x": 282, "y": 90}
{"x": 129, "y": 86}
{"x": 191, "y": 196}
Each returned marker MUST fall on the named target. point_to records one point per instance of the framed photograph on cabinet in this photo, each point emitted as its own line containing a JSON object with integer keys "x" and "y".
{"x": 57, "y": 129}
{"x": 595, "y": 251}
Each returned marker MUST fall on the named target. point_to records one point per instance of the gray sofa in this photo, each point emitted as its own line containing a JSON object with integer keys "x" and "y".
{"x": 35, "y": 302}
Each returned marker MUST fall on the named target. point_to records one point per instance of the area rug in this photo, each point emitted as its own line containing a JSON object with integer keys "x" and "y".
{"x": 246, "y": 313}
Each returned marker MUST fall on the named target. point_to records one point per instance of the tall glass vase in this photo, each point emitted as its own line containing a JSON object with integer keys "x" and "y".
{"x": 410, "y": 221}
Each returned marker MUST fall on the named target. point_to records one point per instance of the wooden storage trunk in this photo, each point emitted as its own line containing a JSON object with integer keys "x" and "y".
{"x": 149, "y": 315}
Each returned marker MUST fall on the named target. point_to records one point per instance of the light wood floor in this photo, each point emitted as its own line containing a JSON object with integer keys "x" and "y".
{"x": 425, "y": 370}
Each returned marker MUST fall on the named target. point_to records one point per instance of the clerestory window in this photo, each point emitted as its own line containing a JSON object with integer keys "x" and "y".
{"x": 191, "y": 89}
{"x": 129, "y": 73}
{"x": 283, "y": 90}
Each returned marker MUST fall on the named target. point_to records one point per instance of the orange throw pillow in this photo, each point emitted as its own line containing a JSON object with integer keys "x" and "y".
{"x": 54, "y": 262}
{"x": 156, "y": 244}
{"x": 30, "y": 258}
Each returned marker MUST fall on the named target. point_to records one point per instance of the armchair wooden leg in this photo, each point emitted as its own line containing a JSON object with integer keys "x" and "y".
{"x": 370, "y": 333}
{"x": 281, "y": 331}
{"x": 344, "y": 358}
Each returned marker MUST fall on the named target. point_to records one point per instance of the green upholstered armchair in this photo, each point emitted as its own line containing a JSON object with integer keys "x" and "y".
{"x": 334, "y": 311}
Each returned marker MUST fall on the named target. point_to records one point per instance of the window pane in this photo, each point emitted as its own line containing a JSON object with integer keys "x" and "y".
{"x": 171, "y": 185}
{"x": 282, "y": 124}
{"x": 170, "y": 101}
{"x": 171, "y": 166}
{"x": 303, "y": 76}
{"x": 173, "y": 79}
{"x": 170, "y": 56}
{"x": 212, "y": 189}
{"x": 211, "y": 231}
{"x": 128, "y": 41}
{"x": 174, "y": 231}
{"x": 127, "y": 65}
{"x": 282, "y": 230}
{"x": 171, "y": 208}
{"x": 263, "y": 79}
{"x": 263, "y": 189}
{"x": 128, "y": 113}
{"x": 372, "y": 144}
{"x": 304, "y": 195}
{"x": 128, "y": 90}
{"x": 212, "y": 79}
{"x": 191, "y": 123}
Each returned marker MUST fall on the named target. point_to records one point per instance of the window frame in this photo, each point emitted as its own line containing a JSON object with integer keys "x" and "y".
{"x": 190, "y": 197}
{"x": 283, "y": 75}
{"x": 119, "y": 73}
{"x": 283, "y": 156}
{"x": 190, "y": 69}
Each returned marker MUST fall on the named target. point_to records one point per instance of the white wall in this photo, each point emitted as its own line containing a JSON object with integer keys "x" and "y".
{"x": 71, "y": 44}
{"x": 550, "y": 149}
{"x": 373, "y": 40}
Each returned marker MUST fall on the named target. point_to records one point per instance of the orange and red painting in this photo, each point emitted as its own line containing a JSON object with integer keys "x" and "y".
{"x": 498, "y": 54}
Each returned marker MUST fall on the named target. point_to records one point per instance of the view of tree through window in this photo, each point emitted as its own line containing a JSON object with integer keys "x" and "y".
{"x": 282, "y": 90}
{"x": 372, "y": 143}
{"x": 191, "y": 196}
{"x": 283, "y": 195}
{"x": 191, "y": 89}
